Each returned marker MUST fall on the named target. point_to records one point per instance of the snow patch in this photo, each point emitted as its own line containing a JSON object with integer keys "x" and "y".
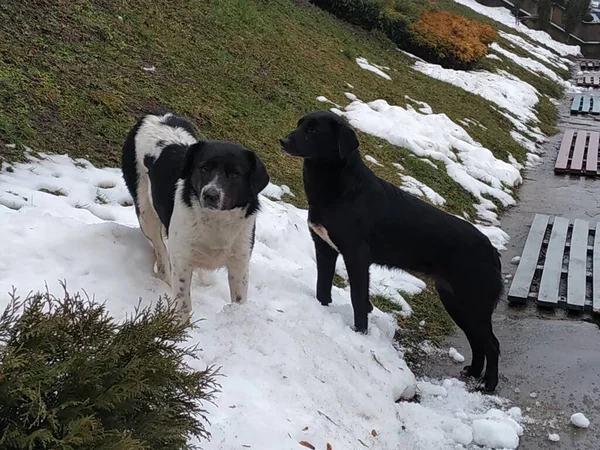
{"x": 505, "y": 91}
{"x": 580, "y": 421}
{"x": 415, "y": 187}
{"x": 373, "y": 160}
{"x": 364, "y": 64}
{"x": 455, "y": 355}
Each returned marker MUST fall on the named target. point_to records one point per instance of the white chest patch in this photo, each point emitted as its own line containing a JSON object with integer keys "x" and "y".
{"x": 321, "y": 231}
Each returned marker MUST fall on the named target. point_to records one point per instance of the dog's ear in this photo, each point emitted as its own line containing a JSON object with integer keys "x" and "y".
{"x": 190, "y": 157}
{"x": 259, "y": 178}
{"x": 347, "y": 140}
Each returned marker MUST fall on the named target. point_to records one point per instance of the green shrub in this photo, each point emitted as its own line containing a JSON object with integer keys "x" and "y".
{"x": 71, "y": 377}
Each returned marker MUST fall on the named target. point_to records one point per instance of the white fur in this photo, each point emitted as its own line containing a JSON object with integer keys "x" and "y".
{"x": 208, "y": 239}
{"x": 322, "y": 232}
{"x": 199, "y": 238}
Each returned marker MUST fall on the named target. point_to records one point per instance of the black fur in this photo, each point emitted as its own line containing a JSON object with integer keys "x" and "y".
{"x": 372, "y": 221}
{"x": 129, "y": 164}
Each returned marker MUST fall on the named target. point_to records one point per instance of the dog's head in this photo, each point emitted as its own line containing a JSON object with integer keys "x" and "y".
{"x": 224, "y": 175}
{"x": 321, "y": 135}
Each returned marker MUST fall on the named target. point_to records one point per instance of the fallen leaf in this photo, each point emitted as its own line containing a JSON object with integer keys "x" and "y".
{"x": 329, "y": 447}
{"x": 307, "y": 444}
{"x": 373, "y": 433}
{"x": 305, "y": 428}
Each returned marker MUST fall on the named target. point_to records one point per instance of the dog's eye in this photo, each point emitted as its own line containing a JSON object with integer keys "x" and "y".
{"x": 311, "y": 129}
{"x": 205, "y": 169}
{"x": 234, "y": 174}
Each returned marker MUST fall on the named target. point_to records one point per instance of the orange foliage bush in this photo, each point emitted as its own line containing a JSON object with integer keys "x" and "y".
{"x": 451, "y": 38}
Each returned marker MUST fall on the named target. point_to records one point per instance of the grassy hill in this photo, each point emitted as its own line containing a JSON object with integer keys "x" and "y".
{"x": 72, "y": 80}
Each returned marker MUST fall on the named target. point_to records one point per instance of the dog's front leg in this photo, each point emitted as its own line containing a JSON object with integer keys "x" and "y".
{"x": 237, "y": 274}
{"x": 357, "y": 264}
{"x": 181, "y": 281}
{"x": 326, "y": 259}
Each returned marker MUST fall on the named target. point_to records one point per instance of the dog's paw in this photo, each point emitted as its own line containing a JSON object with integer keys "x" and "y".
{"x": 360, "y": 330}
{"x": 486, "y": 385}
{"x": 324, "y": 301}
{"x": 470, "y": 372}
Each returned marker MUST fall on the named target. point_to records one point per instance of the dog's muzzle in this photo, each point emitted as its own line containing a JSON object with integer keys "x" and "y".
{"x": 285, "y": 143}
{"x": 211, "y": 197}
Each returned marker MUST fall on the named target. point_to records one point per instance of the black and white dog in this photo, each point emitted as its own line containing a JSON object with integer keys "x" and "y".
{"x": 370, "y": 221}
{"x": 196, "y": 202}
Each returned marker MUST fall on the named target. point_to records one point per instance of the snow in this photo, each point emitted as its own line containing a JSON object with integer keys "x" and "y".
{"x": 415, "y": 187}
{"x": 435, "y": 136}
{"x": 373, "y": 160}
{"x": 423, "y": 107}
{"x": 506, "y": 91}
{"x": 540, "y": 52}
{"x": 444, "y": 407}
{"x": 287, "y": 360}
{"x": 580, "y": 421}
{"x": 364, "y": 64}
{"x": 554, "y": 437}
{"x": 530, "y": 64}
{"x": 515, "y": 260}
{"x": 455, "y": 355}
{"x": 504, "y": 16}
{"x": 277, "y": 192}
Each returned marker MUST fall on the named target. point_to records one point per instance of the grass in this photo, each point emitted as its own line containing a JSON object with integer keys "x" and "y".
{"x": 72, "y": 81}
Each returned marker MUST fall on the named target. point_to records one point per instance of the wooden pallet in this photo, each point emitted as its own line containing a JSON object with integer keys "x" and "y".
{"x": 589, "y": 80}
{"x": 578, "y": 153}
{"x": 590, "y": 65}
{"x": 560, "y": 265}
{"x": 585, "y": 104}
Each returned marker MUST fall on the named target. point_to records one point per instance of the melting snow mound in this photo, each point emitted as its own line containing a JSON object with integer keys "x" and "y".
{"x": 294, "y": 370}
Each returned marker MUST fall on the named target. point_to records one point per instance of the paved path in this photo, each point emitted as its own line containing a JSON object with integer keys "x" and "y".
{"x": 551, "y": 354}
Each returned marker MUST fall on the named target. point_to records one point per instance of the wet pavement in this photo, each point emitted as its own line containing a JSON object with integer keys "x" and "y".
{"x": 550, "y": 363}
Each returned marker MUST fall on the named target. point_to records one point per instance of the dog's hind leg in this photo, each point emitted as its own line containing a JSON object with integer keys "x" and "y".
{"x": 357, "y": 265}
{"x": 491, "y": 347}
{"x": 154, "y": 230}
{"x": 464, "y": 321}
{"x": 326, "y": 259}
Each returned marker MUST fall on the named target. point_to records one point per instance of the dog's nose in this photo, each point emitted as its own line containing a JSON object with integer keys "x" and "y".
{"x": 211, "y": 196}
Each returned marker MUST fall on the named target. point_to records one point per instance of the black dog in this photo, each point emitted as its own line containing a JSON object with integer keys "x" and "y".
{"x": 368, "y": 220}
{"x": 202, "y": 195}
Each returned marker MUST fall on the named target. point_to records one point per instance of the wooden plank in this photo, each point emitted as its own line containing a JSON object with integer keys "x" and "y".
{"x": 580, "y": 80}
{"x": 576, "y": 104}
{"x": 596, "y": 81}
{"x": 596, "y": 272}
{"x": 578, "y": 153}
{"x": 591, "y": 165}
{"x": 562, "y": 159}
{"x": 596, "y": 106}
{"x": 576, "y": 282}
{"x": 521, "y": 283}
{"x": 550, "y": 282}
{"x": 586, "y": 104}
{"x": 587, "y": 80}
